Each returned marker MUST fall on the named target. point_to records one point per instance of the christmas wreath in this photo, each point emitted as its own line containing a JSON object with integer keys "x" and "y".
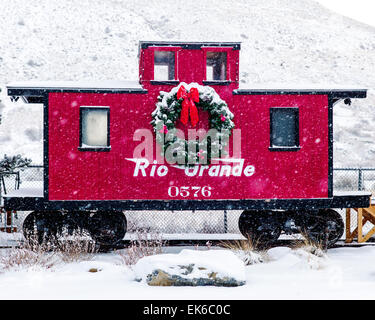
{"x": 180, "y": 103}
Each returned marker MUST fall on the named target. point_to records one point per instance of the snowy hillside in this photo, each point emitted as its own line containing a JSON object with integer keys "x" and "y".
{"x": 283, "y": 42}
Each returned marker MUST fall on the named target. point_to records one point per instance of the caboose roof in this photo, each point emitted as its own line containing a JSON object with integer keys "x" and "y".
{"x": 188, "y": 45}
{"x": 91, "y": 85}
{"x": 336, "y": 92}
{"x": 27, "y": 89}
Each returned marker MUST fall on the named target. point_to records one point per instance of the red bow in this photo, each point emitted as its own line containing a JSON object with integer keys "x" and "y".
{"x": 188, "y": 105}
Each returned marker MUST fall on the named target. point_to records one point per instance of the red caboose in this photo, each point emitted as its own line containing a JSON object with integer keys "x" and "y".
{"x": 110, "y": 147}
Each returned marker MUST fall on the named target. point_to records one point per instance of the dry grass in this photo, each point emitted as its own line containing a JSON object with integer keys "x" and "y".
{"x": 311, "y": 253}
{"x": 79, "y": 246}
{"x": 65, "y": 248}
{"x": 29, "y": 254}
{"x": 247, "y": 250}
{"x": 315, "y": 248}
{"x": 145, "y": 244}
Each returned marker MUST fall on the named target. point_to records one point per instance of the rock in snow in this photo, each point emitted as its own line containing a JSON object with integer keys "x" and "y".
{"x": 192, "y": 268}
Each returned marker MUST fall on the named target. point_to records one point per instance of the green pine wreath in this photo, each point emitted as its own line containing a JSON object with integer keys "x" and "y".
{"x": 167, "y": 112}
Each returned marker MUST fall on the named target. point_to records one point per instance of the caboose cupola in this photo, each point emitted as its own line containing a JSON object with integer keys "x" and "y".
{"x": 208, "y": 63}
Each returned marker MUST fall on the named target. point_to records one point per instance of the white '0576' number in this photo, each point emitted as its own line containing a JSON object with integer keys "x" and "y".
{"x": 174, "y": 191}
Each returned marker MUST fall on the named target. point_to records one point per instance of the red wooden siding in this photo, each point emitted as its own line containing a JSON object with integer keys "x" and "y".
{"x": 76, "y": 175}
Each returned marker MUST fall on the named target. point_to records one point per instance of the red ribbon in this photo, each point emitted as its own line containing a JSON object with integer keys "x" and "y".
{"x": 188, "y": 105}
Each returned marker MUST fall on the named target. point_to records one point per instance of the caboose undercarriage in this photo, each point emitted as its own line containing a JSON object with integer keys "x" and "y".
{"x": 262, "y": 220}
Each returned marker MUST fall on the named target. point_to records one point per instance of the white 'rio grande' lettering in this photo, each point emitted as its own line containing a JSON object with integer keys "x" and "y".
{"x": 236, "y": 168}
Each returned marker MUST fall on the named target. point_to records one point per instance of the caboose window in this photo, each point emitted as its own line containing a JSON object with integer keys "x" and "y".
{"x": 164, "y": 65}
{"x": 216, "y": 66}
{"x": 284, "y": 129}
{"x": 94, "y": 129}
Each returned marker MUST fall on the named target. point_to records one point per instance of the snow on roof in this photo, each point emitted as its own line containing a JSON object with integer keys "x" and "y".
{"x": 334, "y": 90}
{"x": 298, "y": 86}
{"x": 189, "y": 44}
{"x": 92, "y": 85}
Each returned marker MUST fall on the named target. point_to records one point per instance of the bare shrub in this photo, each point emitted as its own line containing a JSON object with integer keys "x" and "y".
{"x": 77, "y": 246}
{"x": 315, "y": 248}
{"x": 145, "y": 244}
{"x": 247, "y": 250}
{"x": 74, "y": 247}
{"x": 311, "y": 253}
{"x": 29, "y": 254}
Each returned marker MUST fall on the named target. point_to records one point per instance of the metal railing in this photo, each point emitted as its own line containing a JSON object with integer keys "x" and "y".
{"x": 25, "y": 178}
{"x": 182, "y": 222}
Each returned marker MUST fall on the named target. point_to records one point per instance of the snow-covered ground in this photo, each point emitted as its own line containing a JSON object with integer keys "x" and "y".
{"x": 346, "y": 273}
{"x": 283, "y": 41}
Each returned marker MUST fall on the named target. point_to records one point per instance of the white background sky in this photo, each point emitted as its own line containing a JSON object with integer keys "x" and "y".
{"x": 361, "y": 10}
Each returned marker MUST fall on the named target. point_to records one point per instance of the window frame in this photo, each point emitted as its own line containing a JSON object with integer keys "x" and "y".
{"x": 227, "y": 81}
{"x": 175, "y": 50}
{"x": 94, "y": 149}
{"x": 296, "y": 131}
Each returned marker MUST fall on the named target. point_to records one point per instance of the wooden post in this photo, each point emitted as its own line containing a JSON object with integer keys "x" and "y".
{"x": 8, "y": 219}
{"x": 359, "y": 224}
{"x": 348, "y": 237}
{"x": 8, "y": 222}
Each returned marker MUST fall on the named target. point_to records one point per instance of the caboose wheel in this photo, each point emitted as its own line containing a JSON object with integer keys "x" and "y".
{"x": 107, "y": 227}
{"x": 262, "y": 226}
{"x": 41, "y": 226}
{"x": 325, "y": 227}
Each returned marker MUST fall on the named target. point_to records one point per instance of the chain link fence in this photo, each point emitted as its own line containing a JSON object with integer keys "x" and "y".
{"x": 28, "y": 178}
{"x": 348, "y": 179}
{"x": 179, "y": 223}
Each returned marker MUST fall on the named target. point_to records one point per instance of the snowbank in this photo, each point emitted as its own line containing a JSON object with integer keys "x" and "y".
{"x": 348, "y": 274}
{"x": 193, "y": 264}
